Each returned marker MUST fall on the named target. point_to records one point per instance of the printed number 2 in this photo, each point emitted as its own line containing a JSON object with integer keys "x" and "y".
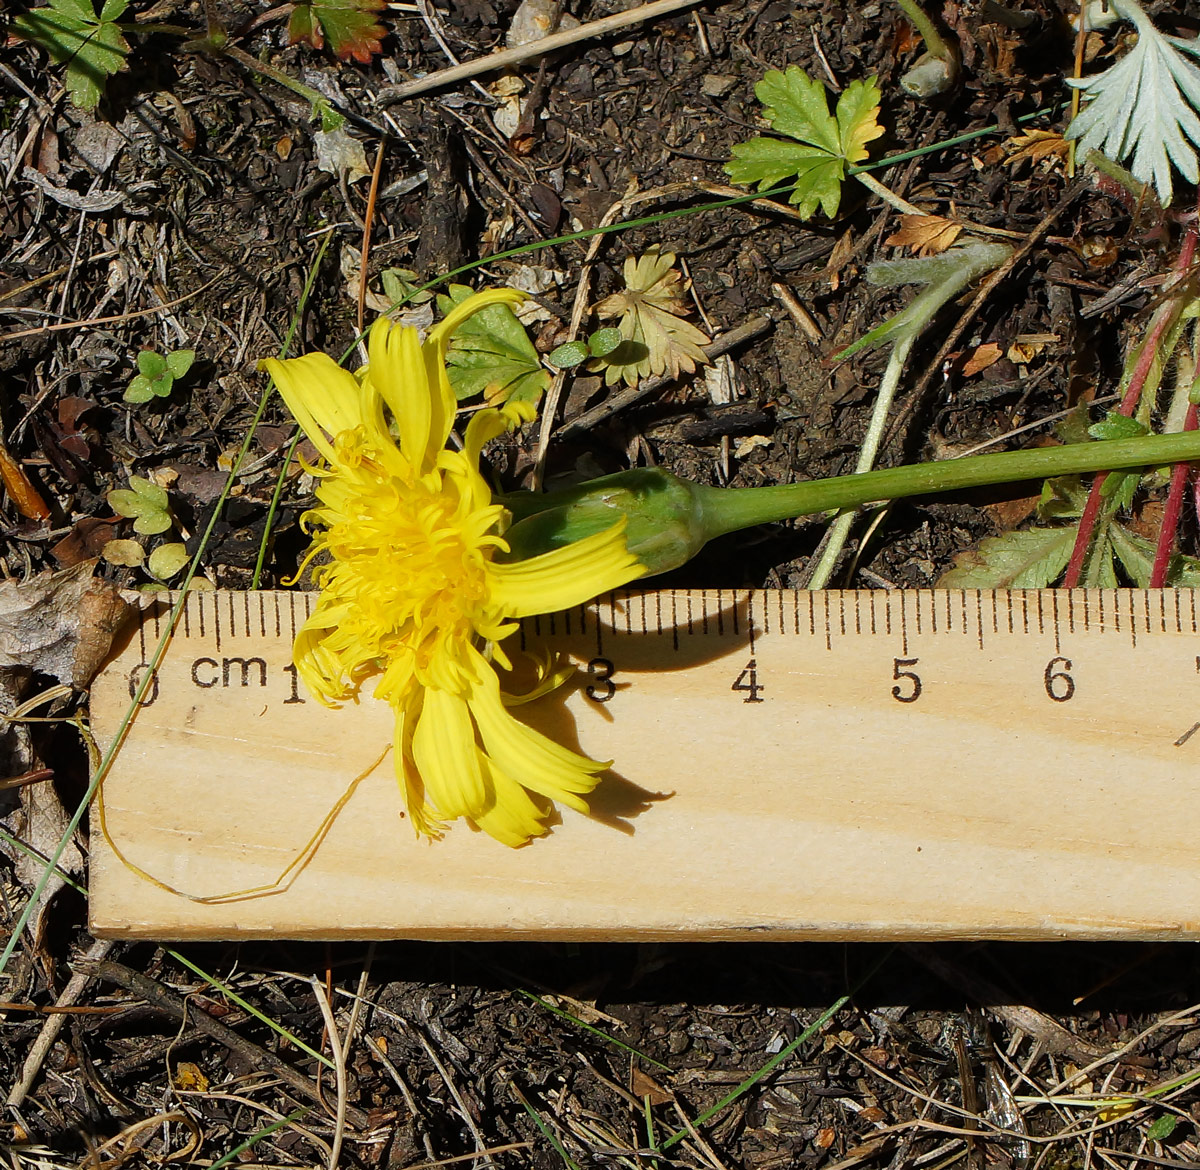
{"x": 898, "y": 693}
{"x": 748, "y": 681}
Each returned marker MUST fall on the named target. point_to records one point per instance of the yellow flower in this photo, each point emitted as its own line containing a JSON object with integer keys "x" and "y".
{"x": 411, "y": 590}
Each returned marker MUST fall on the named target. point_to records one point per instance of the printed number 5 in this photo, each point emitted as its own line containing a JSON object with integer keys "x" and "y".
{"x": 899, "y": 693}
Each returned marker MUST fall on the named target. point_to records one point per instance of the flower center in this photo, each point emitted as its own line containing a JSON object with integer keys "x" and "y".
{"x": 411, "y": 553}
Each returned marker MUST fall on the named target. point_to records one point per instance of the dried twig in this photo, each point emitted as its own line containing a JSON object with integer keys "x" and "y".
{"x": 559, "y": 40}
{"x": 53, "y": 1025}
{"x": 160, "y": 998}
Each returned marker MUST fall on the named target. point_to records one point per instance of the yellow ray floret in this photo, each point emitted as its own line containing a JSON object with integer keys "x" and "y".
{"x": 405, "y": 533}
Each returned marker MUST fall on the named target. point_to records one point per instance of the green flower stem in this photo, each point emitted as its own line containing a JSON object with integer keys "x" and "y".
{"x": 935, "y": 45}
{"x": 728, "y": 511}
{"x": 668, "y": 520}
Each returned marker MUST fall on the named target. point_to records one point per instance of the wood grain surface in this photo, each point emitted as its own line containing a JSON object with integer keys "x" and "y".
{"x": 777, "y": 774}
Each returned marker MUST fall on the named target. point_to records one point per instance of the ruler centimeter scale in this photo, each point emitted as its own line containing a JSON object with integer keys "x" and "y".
{"x": 788, "y": 764}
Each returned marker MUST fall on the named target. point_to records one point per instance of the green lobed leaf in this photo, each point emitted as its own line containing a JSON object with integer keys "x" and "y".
{"x": 349, "y": 26}
{"x": 797, "y": 105}
{"x": 92, "y": 48}
{"x": 768, "y": 162}
{"x": 1028, "y": 559}
{"x": 491, "y": 355}
{"x": 857, "y": 124}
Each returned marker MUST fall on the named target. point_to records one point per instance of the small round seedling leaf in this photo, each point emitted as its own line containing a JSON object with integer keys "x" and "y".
{"x": 149, "y": 491}
{"x": 125, "y": 503}
{"x": 166, "y": 560}
{"x": 152, "y": 521}
{"x": 152, "y": 364}
{"x": 1161, "y": 1128}
{"x": 127, "y": 553}
{"x": 162, "y": 386}
{"x": 567, "y": 356}
{"x": 604, "y": 341}
{"x": 140, "y": 389}
{"x": 180, "y": 361}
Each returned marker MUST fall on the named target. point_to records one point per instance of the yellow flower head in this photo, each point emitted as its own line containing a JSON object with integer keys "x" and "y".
{"x": 410, "y": 589}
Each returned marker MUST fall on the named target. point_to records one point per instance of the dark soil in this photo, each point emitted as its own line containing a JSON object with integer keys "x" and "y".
{"x": 196, "y": 187}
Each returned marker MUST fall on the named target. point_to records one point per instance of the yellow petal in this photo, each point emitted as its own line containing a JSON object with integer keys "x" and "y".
{"x": 324, "y": 398}
{"x": 444, "y": 329}
{"x": 447, "y": 757}
{"x": 566, "y": 576}
{"x": 397, "y": 369}
{"x": 516, "y": 816}
{"x": 517, "y": 750}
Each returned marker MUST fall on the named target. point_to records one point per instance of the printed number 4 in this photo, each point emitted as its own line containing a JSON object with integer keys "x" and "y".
{"x": 748, "y": 681}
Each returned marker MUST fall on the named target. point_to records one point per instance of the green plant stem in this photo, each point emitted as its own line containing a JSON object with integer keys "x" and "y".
{"x": 318, "y": 101}
{"x": 840, "y": 530}
{"x": 935, "y": 45}
{"x": 728, "y": 510}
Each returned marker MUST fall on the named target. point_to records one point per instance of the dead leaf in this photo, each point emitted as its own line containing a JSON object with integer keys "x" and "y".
{"x": 926, "y": 235}
{"x": 338, "y": 152}
{"x": 1037, "y": 146}
{"x": 750, "y": 443}
{"x": 981, "y": 357}
{"x": 59, "y": 623}
{"x": 839, "y": 257}
{"x": 825, "y": 1138}
{"x": 643, "y": 1085}
{"x": 84, "y": 542}
{"x": 650, "y": 309}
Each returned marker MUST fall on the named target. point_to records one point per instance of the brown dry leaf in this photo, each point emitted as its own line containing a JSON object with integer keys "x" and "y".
{"x": 61, "y": 624}
{"x": 1036, "y": 146}
{"x": 643, "y": 1085}
{"x": 1027, "y": 346}
{"x": 650, "y": 309}
{"x": 926, "y": 235}
{"x": 981, "y": 357}
{"x": 839, "y": 257}
{"x": 825, "y": 1138}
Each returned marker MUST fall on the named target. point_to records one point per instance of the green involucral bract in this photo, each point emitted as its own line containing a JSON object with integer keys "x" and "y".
{"x": 670, "y": 519}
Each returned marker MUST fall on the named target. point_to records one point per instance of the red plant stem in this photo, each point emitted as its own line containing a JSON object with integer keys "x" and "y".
{"x": 1171, "y": 513}
{"x": 1164, "y": 318}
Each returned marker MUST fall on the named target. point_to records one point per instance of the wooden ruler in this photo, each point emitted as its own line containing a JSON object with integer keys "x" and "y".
{"x": 933, "y": 764}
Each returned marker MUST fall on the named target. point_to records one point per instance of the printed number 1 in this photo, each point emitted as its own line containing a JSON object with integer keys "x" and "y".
{"x": 748, "y": 681}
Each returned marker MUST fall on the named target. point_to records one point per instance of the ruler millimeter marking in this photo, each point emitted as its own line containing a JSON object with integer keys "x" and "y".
{"x": 849, "y": 764}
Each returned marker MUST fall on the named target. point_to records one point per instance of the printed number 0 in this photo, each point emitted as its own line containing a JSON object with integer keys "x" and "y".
{"x": 1066, "y": 689}
{"x": 897, "y": 693}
